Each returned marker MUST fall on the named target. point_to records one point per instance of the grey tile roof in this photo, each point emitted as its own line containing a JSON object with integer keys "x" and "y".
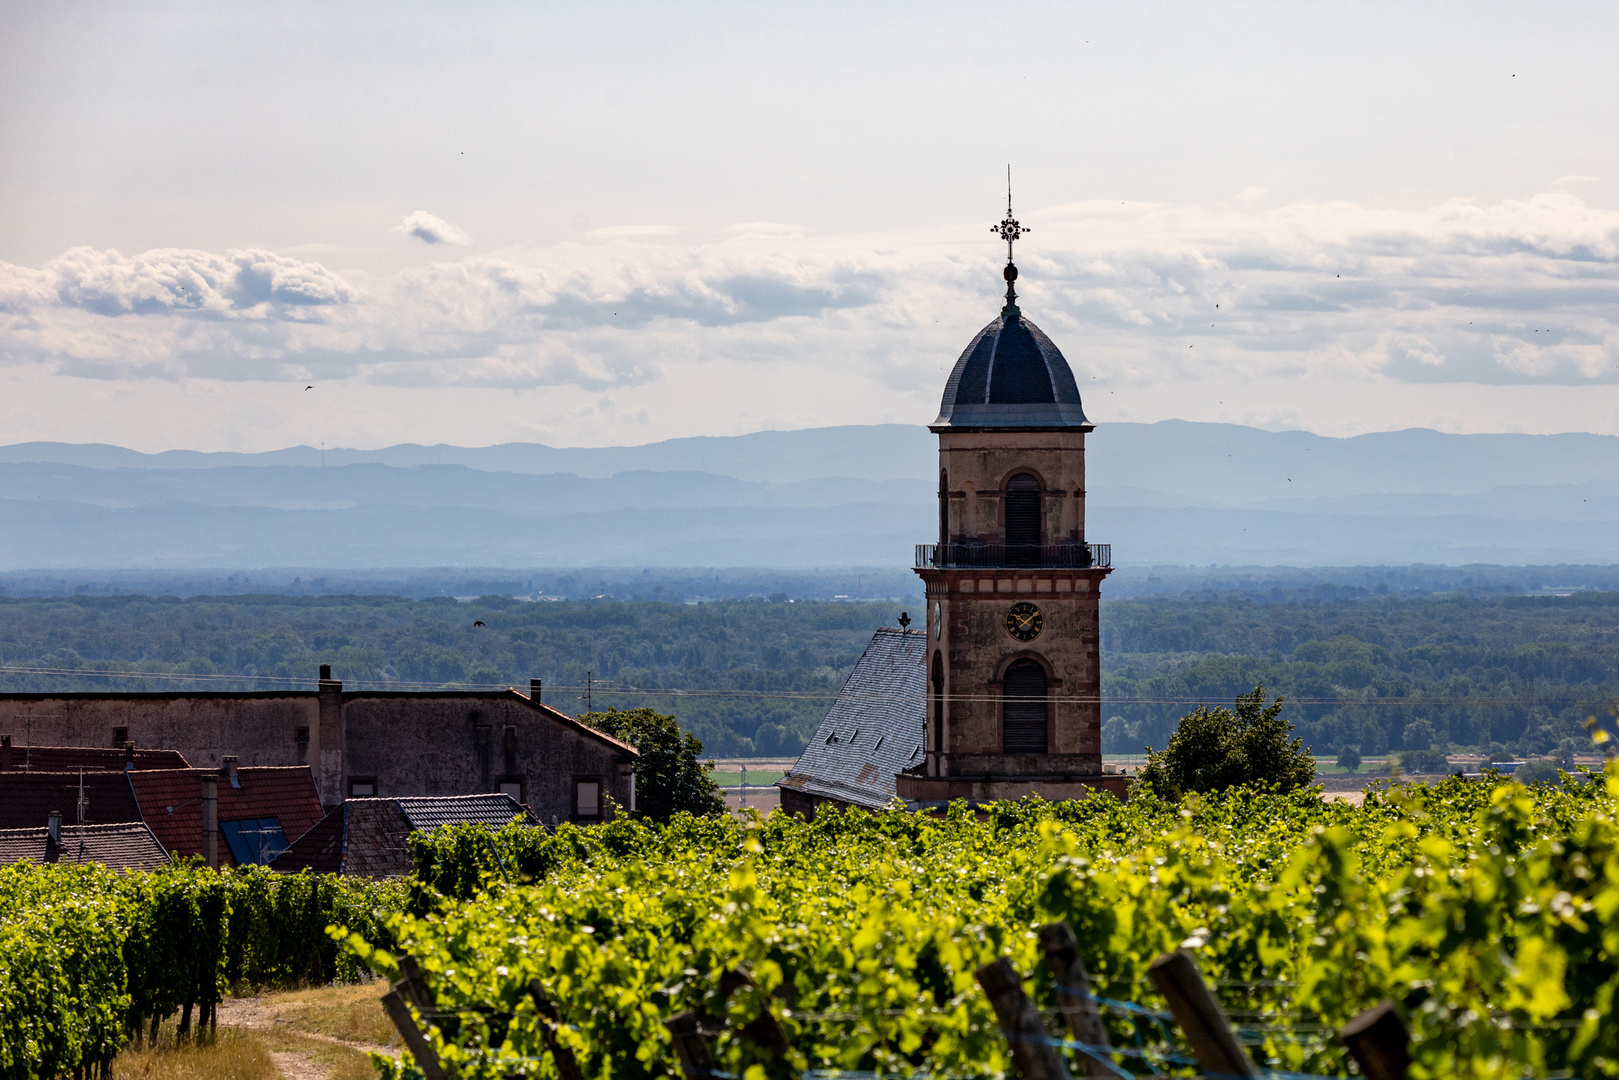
{"x": 429, "y": 812}
{"x": 366, "y": 837}
{"x": 874, "y": 729}
{"x": 127, "y": 846}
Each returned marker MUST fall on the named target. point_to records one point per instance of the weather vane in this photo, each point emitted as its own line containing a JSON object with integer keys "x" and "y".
{"x": 1009, "y": 230}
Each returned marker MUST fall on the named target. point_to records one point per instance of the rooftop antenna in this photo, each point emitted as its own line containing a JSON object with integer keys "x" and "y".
{"x": 1009, "y": 230}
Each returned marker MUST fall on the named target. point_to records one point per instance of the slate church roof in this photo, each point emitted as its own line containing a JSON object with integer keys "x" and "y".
{"x": 874, "y": 729}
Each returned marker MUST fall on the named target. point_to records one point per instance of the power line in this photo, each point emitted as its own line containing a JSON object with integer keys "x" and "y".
{"x": 591, "y": 688}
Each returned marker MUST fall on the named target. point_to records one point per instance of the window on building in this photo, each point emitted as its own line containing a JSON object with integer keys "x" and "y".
{"x": 120, "y": 735}
{"x": 513, "y": 786}
{"x": 1022, "y": 513}
{"x": 1023, "y": 709}
{"x": 587, "y": 798}
{"x": 362, "y": 787}
{"x": 944, "y": 507}
{"x": 254, "y": 840}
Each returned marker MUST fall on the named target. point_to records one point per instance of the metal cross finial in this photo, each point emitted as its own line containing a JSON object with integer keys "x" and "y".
{"x": 1009, "y": 230}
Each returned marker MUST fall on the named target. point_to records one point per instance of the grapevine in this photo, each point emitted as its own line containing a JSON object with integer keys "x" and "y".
{"x": 1488, "y": 911}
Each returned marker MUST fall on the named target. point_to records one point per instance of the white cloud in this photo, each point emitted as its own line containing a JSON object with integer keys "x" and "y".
{"x": 430, "y": 229}
{"x": 1520, "y": 292}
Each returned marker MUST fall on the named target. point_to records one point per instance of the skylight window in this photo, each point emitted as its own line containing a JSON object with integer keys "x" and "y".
{"x": 254, "y": 840}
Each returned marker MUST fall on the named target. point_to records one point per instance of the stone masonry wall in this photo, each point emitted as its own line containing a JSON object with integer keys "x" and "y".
{"x": 260, "y": 729}
{"x": 457, "y": 744}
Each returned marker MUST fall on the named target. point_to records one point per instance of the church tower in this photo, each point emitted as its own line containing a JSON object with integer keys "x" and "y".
{"x": 1013, "y": 668}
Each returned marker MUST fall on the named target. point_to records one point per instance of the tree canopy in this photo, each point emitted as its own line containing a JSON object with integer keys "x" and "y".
{"x": 1214, "y": 749}
{"x": 669, "y": 777}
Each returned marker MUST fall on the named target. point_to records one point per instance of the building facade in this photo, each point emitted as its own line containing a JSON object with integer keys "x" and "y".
{"x": 1013, "y": 583}
{"x": 358, "y": 743}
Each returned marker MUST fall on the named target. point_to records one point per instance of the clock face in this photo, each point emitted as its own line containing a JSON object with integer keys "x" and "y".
{"x": 1024, "y": 621}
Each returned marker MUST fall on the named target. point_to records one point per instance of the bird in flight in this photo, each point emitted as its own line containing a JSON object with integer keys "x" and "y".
{"x": 477, "y": 622}
{"x": 309, "y": 388}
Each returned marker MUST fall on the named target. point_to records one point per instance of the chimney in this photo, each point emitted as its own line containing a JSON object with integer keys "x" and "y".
{"x": 5, "y": 753}
{"x": 328, "y": 744}
{"x": 129, "y": 756}
{"x": 534, "y": 689}
{"x": 230, "y": 770}
{"x": 210, "y": 821}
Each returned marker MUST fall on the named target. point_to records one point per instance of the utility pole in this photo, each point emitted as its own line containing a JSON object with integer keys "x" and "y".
{"x": 587, "y": 690}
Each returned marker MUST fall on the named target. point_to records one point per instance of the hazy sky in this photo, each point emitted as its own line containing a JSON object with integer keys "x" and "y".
{"x": 599, "y": 223}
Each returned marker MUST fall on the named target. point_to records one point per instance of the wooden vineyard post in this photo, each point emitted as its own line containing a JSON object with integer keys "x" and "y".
{"x": 1032, "y": 1049}
{"x": 762, "y": 1031}
{"x": 1379, "y": 1043}
{"x": 412, "y": 989}
{"x": 1200, "y": 1016}
{"x": 413, "y": 984}
{"x": 1074, "y": 993}
{"x": 567, "y": 1065}
{"x": 690, "y": 1046}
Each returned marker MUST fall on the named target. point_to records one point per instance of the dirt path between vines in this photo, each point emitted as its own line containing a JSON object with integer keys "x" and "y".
{"x": 321, "y": 1034}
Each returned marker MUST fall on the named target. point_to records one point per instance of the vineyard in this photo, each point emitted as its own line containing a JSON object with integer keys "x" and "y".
{"x": 91, "y": 959}
{"x": 1489, "y": 913}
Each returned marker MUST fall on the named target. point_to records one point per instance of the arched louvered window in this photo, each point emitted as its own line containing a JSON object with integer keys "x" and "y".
{"x": 938, "y": 703}
{"x": 944, "y": 507}
{"x": 1023, "y": 709}
{"x": 1022, "y": 520}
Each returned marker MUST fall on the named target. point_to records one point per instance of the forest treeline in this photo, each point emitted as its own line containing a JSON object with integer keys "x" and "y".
{"x": 1513, "y": 674}
{"x": 754, "y": 677}
{"x": 746, "y": 677}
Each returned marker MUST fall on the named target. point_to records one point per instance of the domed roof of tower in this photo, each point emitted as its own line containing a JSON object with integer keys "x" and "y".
{"x": 1011, "y": 376}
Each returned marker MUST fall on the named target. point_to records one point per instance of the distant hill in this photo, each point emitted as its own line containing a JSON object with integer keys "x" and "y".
{"x": 1174, "y": 492}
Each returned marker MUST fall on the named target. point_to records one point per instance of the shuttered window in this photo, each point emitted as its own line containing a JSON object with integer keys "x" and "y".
{"x": 1023, "y": 520}
{"x": 1023, "y": 709}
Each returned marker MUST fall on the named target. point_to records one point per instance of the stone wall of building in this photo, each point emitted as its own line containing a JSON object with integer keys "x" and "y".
{"x": 967, "y": 612}
{"x": 977, "y": 464}
{"x": 273, "y": 728}
{"x": 457, "y": 743}
{"x": 412, "y": 743}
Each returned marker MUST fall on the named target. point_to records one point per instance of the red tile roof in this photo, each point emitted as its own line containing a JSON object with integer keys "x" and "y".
{"x": 27, "y": 798}
{"x": 129, "y": 846}
{"x": 171, "y": 802}
{"x": 68, "y": 758}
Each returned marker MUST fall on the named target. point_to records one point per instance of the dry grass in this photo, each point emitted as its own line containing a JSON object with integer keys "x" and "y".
{"x": 330, "y": 1060}
{"x": 351, "y": 1013}
{"x": 287, "y": 1035}
{"x": 230, "y": 1055}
